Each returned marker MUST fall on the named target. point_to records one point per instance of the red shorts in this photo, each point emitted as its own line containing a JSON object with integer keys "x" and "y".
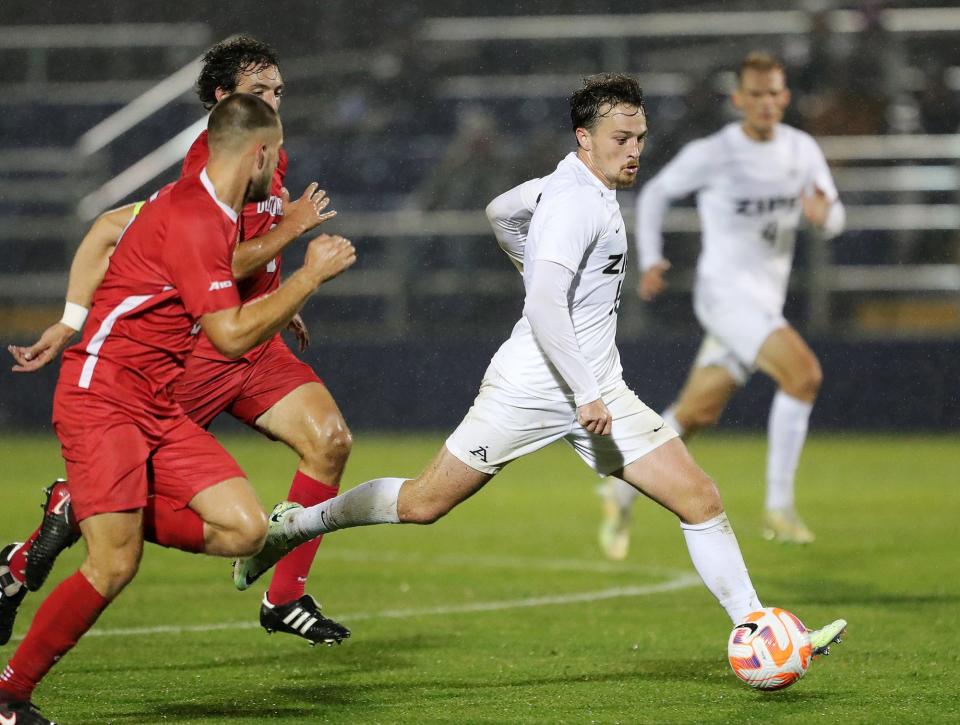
{"x": 116, "y": 458}
{"x": 244, "y": 388}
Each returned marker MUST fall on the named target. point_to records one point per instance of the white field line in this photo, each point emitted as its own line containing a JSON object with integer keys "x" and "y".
{"x": 681, "y": 580}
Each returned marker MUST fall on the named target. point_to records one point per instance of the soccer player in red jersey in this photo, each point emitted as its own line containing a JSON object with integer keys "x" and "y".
{"x": 135, "y": 460}
{"x": 268, "y": 388}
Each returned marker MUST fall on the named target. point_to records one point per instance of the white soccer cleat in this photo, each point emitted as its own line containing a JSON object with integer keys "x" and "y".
{"x": 277, "y": 545}
{"x": 821, "y": 639}
{"x": 786, "y": 526}
{"x": 614, "y": 534}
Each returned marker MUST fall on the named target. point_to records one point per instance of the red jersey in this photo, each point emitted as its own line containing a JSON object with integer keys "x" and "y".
{"x": 257, "y": 219}
{"x": 172, "y": 265}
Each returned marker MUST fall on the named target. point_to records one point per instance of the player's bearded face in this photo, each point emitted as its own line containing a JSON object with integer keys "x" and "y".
{"x": 261, "y": 182}
{"x": 616, "y": 142}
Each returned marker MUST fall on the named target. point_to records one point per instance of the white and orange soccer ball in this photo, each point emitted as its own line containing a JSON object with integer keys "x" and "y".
{"x": 770, "y": 649}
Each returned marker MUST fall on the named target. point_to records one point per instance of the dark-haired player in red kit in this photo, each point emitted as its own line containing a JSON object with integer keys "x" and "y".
{"x": 268, "y": 388}
{"x": 135, "y": 461}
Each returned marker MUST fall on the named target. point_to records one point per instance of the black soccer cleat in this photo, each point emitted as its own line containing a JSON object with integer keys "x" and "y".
{"x": 303, "y": 619}
{"x": 12, "y": 593}
{"x": 57, "y": 533}
{"x": 22, "y": 713}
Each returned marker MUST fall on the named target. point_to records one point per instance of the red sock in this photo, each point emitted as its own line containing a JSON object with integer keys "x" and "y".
{"x": 174, "y": 528}
{"x": 65, "y": 615}
{"x": 290, "y": 574}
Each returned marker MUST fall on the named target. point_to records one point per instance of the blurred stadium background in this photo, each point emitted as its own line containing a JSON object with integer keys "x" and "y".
{"x": 413, "y": 115}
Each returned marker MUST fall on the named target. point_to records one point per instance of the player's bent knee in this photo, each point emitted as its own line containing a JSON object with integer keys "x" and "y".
{"x": 329, "y": 446}
{"x": 109, "y": 574}
{"x": 806, "y": 385}
{"x": 250, "y": 532}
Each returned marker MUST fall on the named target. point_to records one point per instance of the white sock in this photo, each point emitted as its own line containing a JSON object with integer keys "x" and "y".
{"x": 716, "y": 556}
{"x": 625, "y": 494}
{"x": 372, "y": 502}
{"x": 786, "y": 434}
{"x": 669, "y": 416}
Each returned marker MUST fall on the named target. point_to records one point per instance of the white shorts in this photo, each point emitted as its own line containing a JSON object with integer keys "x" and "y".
{"x": 736, "y": 330}
{"x": 503, "y": 425}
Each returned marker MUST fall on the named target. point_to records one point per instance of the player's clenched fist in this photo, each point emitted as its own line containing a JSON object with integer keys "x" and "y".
{"x": 652, "y": 282}
{"x": 595, "y": 417}
{"x": 329, "y": 255}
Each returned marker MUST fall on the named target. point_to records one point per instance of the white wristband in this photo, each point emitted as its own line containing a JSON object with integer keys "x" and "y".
{"x": 74, "y": 316}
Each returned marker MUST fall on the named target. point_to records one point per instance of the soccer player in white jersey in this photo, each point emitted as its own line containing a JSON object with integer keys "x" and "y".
{"x": 753, "y": 181}
{"x": 559, "y": 375}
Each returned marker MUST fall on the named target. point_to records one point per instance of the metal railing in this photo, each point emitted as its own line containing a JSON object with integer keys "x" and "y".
{"x": 672, "y": 25}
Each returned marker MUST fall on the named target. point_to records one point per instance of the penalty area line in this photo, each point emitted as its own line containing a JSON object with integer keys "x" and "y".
{"x": 681, "y": 581}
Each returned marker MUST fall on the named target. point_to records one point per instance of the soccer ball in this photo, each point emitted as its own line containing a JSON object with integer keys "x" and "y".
{"x": 770, "y": 650}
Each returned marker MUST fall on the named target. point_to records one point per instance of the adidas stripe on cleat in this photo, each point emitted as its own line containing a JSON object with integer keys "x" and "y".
{"x": 12, "y": 593}
{"x": 57, "y": 533}
{"x": 302, "y": 618}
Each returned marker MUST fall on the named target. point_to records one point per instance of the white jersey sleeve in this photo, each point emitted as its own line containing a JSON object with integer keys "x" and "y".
{"x": 822, "y": 179}
{"x": 510, "y": 214}
{"x": 546, "y": 309}
{"x": 688, "y": 172}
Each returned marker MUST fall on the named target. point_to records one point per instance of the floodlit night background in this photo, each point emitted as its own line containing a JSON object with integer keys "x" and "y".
{"x": 414, "y": 115}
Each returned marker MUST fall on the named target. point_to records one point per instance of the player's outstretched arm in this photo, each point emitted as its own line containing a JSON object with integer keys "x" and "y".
{"x": 299, "y": 217}
{"x": 237, "y": 330}
{"x": 87, "y": 270}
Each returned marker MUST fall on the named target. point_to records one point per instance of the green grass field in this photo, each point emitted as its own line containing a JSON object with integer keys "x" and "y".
{"x": 506, "y": 612}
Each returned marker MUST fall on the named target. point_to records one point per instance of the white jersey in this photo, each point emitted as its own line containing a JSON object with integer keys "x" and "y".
{"x": 749, "y": 202}
{"x": 576, "y": 224}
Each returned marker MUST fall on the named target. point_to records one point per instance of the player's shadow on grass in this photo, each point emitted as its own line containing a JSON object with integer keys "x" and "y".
{"x": 330, "y": 690}
{"x": 375, "y": 655}
{"x": 200, "y": 712}
{"x": 839, "y": 593}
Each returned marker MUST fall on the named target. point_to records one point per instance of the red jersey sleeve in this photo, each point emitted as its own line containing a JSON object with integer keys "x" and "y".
{"x": 198, "y": 255}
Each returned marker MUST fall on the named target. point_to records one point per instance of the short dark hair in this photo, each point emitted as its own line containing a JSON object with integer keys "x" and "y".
{"x": 602, "y": 89}
{"x": 759, "y": 61}
{"x": 237, "y": 116}
{"x": 224, "y": 63}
